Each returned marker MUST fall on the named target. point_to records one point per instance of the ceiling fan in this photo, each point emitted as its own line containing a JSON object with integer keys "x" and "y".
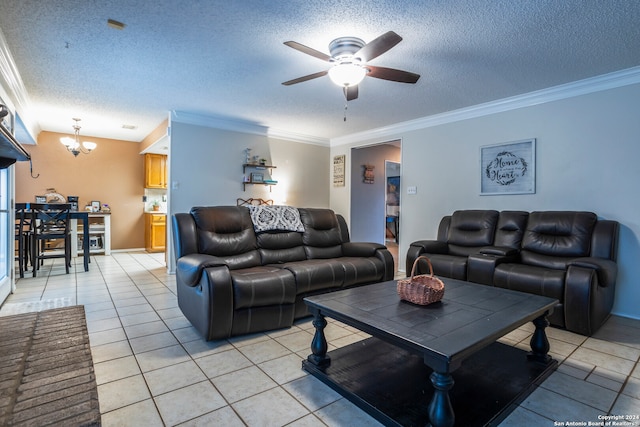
{"x": 350, "y": 57}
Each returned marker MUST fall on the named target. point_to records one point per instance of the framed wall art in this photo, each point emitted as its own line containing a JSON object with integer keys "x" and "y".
{"x": 338, "y": 171}
{"x": 368, "y": 176}
{"x": 257, "y": 177}
{"x": 508, "y": 168}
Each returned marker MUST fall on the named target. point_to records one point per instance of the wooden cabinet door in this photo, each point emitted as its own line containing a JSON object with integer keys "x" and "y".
{"x": 155, "y": 171}
{"x": 155, "y": 232}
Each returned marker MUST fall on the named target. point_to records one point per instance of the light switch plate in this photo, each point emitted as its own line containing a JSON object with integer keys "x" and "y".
{"x": 412, "y": 190}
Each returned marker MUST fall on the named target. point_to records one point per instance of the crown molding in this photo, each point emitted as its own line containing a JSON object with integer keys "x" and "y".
{"x": 244, "y": 126}
{"x": 569, "y": 90}
{"x": 297, "y": 137}
{"x": 14, "y": 87}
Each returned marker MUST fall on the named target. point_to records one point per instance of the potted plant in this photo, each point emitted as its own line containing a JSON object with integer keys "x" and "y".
{"x": 263, "y": 162}
{"x": 155, "y": 205}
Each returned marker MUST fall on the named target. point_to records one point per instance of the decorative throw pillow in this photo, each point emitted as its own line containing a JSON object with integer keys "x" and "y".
{"x": 277, "y": 217}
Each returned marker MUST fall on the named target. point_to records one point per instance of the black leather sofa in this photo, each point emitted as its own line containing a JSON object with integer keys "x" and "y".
{"x": 567, "y": 255}
{"x": 232, "y": 280}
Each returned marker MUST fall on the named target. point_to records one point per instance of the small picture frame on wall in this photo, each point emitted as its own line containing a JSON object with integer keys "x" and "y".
{"x": 257, "y": 177}
{"x": 95, "y": 206}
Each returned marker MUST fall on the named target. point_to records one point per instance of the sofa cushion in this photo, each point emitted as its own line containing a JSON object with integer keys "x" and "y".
{"x": 280, "y": 246}
{"x": 316, "y": 274}
{"x": 471, "y": 228}
{"x": 227, "y": 232}
{"x": 451, "y": 266}
{"x": 510, "y": 229}
{"x": 262, "y": 286}
{"x": 564, "y": 234}
{"x": 534, "y": 280}
{"x": 322, "y": 236}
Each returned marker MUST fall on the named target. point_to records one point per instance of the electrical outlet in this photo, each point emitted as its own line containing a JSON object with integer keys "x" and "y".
{"x": 412, "y": 190}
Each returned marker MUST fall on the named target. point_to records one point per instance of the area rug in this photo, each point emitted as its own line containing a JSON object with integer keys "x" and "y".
{"x": 46, "y": 370}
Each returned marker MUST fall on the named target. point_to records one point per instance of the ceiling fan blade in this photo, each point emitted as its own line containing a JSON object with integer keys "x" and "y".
{"x": 305, "y": 78}
{"x": 309, "y": 51}
{"x": 351, "y": 92}
{"x": 392, "y": 74}
{"x": 378, "y": 46}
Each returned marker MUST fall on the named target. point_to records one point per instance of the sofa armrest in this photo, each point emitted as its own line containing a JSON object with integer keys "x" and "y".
{"x": 420, "y": 247}
{"x": 587, "y": 301}
{"x": 362, "y": 249}
{"x": 189, "y": 268}
{"x": 607, "y": 270}
{"x": 366, "y": 249}
{"x": 432, "y": 246}
{"x": 205, "y": 294}
{"x": 499, "y": 251}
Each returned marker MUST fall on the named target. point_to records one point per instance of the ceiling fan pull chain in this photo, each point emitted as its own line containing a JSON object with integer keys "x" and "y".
{"x": 345, "y": 111}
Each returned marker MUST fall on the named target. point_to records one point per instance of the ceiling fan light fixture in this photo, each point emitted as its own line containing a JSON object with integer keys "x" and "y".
{"x": 347, "y": 74}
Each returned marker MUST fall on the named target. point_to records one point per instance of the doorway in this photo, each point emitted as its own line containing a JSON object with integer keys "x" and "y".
{"x": 392, "y": 201}
{"x": 369, "y": 192}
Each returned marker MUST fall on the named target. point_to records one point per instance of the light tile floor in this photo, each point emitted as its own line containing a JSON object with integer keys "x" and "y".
{"x": 153, "y": 369}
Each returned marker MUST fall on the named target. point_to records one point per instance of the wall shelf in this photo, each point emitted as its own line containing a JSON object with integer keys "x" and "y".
{"x": 257, "y": 167}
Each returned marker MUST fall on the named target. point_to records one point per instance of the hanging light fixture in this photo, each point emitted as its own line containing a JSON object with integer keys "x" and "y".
{"x": 73, "y": 144}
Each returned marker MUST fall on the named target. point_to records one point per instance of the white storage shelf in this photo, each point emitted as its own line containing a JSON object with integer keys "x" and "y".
{"x": 99, "y": 234}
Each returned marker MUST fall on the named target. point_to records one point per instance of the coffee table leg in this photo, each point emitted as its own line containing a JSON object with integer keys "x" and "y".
{"x": 539, "y": 342}
{"x": 440, "y": 409}
{"x": 319, "y": 342}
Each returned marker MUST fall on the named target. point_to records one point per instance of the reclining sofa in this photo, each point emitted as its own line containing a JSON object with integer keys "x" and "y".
{"x": 244, "y": 269}
{"x": 566, "y": 255}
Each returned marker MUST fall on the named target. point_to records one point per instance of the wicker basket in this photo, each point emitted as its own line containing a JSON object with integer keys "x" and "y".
{"x": 422, "y": 289}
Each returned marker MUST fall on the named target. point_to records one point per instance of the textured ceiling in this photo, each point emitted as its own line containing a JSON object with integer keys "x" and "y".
{"x": 227, "y": 59}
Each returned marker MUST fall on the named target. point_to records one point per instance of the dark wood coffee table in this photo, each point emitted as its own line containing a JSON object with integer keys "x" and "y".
{"x": 449, "y": 341}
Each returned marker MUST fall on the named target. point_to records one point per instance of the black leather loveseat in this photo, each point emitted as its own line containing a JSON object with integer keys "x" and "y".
{"x": 232, "y": 279}
{"x": 566, "y": 255}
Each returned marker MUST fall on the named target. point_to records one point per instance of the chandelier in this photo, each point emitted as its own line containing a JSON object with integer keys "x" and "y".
{"x": 73, "y": 144}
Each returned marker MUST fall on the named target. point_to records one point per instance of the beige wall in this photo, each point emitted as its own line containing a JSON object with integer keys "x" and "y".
{"x": 112, "y": 174}
{"x": 154, "y": 136}
{"x": 206, "y": 170}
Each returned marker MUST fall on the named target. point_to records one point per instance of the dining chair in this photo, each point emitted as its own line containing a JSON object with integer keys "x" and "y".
{"x": 23, "y": 232}
{"x": 51, "y": 233}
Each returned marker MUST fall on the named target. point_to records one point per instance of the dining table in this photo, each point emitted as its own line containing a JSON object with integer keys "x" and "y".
{"x": 84, "y": 216}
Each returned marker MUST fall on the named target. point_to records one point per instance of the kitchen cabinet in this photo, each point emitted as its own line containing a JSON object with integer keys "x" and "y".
{"x": 155, "y": 232}
{"x": 155, "y": 171}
